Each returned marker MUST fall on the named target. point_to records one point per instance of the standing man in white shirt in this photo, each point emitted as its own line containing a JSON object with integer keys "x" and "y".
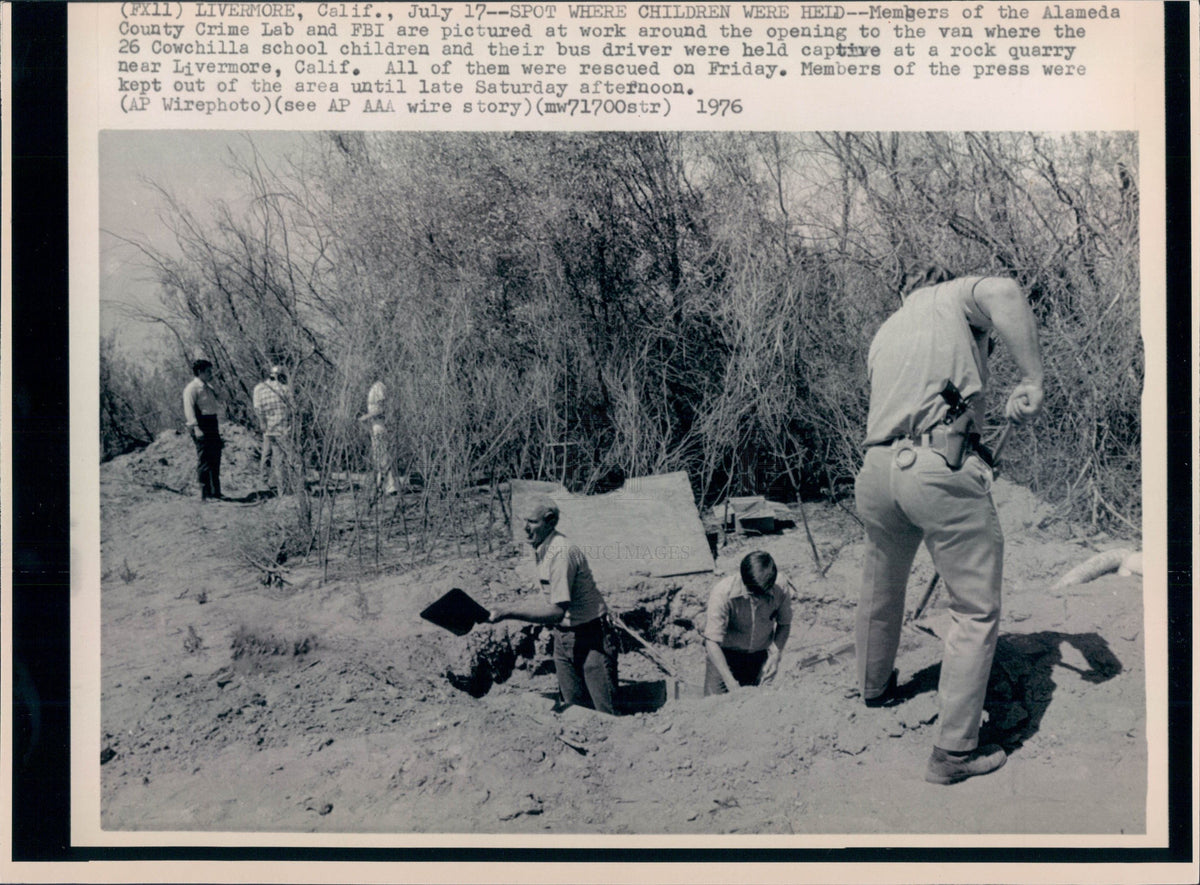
{"x": 925, "y": 477}
{"x": 585, "y": 649}
{"x": 200, "y": 409}
{"x": 381, "y": 455}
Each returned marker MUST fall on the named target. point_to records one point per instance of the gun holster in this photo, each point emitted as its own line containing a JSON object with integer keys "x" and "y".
{"x": 982, "y": 451}
{"x": 954, "y": 441}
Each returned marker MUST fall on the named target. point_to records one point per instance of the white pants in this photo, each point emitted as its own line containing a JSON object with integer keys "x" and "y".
{"x": 275, "y": 458}
{"x": 952, "y": 511}
{"x": 382, "y": 459}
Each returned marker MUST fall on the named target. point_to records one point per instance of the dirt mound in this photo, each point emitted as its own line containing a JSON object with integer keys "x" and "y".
{"x": 491, "y": 656}
{"x": 249, "y": 645}
{"x": 170, "y": 462}
{"x": 228, "y": 704}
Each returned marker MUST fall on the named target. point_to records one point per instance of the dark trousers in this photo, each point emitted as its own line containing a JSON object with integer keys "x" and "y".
{"x": 746, "y": 667}
{"x": 585, "y": 660}
{"x": 208, "y": 457}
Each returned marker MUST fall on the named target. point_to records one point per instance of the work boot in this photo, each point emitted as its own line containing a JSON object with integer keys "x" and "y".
{"x": 887, "y": 697}
{"x": 946, "y": 767}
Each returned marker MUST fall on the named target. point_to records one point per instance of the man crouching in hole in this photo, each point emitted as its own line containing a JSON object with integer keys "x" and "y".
{"x": 585, "y": 649}
{"x": 749, "y": 621}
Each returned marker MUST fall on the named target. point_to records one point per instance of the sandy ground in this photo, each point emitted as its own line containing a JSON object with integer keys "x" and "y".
{"x": 330, "y": 706}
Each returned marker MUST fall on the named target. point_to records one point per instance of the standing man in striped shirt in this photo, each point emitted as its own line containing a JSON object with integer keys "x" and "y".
{"x": 273, "y": 407}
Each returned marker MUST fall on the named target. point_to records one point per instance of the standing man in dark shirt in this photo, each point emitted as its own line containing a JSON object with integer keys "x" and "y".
{"x": 200, "y": 409}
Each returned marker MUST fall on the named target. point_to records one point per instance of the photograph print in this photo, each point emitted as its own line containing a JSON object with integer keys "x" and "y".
{"x": 623, "y": 483}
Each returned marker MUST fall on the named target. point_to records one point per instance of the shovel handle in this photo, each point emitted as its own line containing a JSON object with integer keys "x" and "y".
{"x": 1008, "y": 426}
{"x": 645, "y": 646}
{"x": 920, "y": 609}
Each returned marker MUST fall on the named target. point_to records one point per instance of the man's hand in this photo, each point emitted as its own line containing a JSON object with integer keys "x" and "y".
{"x": 770, "y": 666}
{"x": 1024, "y": 402}
{"x": 197, "y": 433}
{"x": 496, "y": 615}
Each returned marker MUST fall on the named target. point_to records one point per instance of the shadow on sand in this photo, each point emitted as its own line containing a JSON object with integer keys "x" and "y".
{"x": 1022, "y": 683}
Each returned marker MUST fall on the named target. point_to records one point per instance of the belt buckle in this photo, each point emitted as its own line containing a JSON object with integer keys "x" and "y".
{"x": 905, "y": 455}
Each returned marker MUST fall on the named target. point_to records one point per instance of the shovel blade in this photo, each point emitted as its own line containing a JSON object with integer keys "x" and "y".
{"x": 455, "y": 611}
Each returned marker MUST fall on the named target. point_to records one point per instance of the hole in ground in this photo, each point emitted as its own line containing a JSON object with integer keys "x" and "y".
{"x": 492, "y": 657}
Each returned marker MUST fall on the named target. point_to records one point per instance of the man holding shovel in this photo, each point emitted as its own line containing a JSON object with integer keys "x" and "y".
{"x": 925, "y": 476}
{"x": 585, "y": 650}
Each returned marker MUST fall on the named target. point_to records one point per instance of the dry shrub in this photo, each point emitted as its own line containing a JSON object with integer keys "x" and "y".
{"x": 585, "y": 307}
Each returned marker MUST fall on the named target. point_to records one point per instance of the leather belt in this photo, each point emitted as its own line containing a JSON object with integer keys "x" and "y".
{"x": 593, "y": 623}
{"x": 920, "y": 439}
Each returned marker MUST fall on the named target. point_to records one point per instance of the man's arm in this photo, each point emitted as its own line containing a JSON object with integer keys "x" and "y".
{"x": 1004, "y": 303}
{"x": 533, "y": 612}
{"x": 775, "y": 652}
{"x": 783, "y": 629}
{"x": 717, "y": 655}
{"x": 189, "y": 410}
{"x": 716, "y": 625}
{"x": 374, "y": 406}
{"x": 544, "y": 611}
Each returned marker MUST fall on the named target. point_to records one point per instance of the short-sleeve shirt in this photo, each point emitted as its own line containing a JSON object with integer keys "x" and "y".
{"x": 271, "y": 402}
{"x": 563, "y": 572}
{"x": 938, "y": 335}
{"x": 199, "y": 399}
{"x": 739, "y": 620}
